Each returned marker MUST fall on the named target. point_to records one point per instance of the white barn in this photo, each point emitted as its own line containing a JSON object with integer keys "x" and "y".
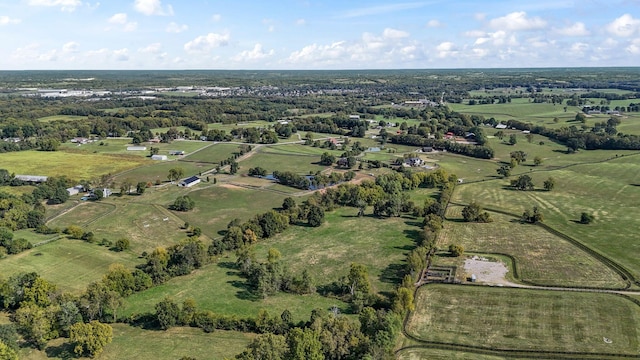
{"x": 159, "y": 157}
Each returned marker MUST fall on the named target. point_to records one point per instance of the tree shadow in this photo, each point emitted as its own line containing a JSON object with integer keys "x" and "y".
{"x": 146, "y": 321}
{"x": 412, "y": 234}
{"x": 393, "y": 273}
{"x": 62, "y": 351}
{"x": 414, "y": 223}
{"x": 245, "y": 292}
{"x": 227, "y": 265}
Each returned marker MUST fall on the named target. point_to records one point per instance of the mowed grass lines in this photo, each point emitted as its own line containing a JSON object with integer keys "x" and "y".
{"x": 506, "y": 318}
{"x": 541, "y": 257}
{"x": 158, "y": 171}
{"x": 72, "y": 165}
{"x": 220, "y": 288}
{"x": 436, "y": 354}
{"x": 214, "y": 154}
{"x": 327, "y": 251}
{"x": 216, "y": 206}
{"x": 607, "y": 190}
{"x": 82, "y": 214}
{"x": 280, "y": 159}
{"x": 70, "y": 264}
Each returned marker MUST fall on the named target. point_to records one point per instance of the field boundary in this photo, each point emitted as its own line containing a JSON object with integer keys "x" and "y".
{"x": 520, "y": 353}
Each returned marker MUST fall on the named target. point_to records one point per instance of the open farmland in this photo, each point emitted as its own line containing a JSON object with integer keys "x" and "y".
{"x": 70, "y": 264}
{"x": 541, "y": 257}
{"x": 522, "y": 319}
{"x": 213, "y": 154}
{"x": 72, "y": 165}
{"x": 159, "y": 170}
{"x": 135, "y": 343}
{"x": 327, "y": 252}
{"x": 607, "y": 190}
{"x": 220, "y": 288}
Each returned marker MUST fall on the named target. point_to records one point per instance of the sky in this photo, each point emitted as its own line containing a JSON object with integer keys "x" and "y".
{"x": 317, "y": 34}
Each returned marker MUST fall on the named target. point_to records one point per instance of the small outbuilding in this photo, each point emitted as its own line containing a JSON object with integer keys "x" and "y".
{"x": 159, "y": 157}
{"x": 190, "y": 181}
{"x": 136, "y": 148}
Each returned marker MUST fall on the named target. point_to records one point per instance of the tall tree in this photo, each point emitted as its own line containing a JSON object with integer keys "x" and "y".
{"x": 90, "y": 338}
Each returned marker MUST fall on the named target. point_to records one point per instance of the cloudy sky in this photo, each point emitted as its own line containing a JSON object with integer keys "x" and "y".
{"x": 317, "y": 34}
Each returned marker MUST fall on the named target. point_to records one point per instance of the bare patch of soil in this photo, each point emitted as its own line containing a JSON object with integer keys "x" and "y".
{"x": 486, "y": 271}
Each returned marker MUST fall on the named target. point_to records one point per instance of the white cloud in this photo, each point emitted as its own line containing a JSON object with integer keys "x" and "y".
{"x": 252, "y": 55}
{"x": 205, "y": 43}
{"x": 517, "y": 21}
{"x": 269, "y": 24}
{"x": 216, "y": 17}
{"x": 577, "y": 29}
{"x": 475, "y": 33}
{"x": 578, "y": 48}
{"x": 153, "y": 7}
{"x": 154, "y": 48}
{"x": 5, "y": 20}
{"x": 122, "y": 20}
{"x": 70, "y": 47}
{"x": 301, "y": 22}
{"x": 65, "y": 5}
{"x": 175, "y": 28}
{"x": 498, "y": 38}
{"x": 446, "y": 49}
{"x": 434, "y": 23}
{"x": 634, "y": 47}
{"x": 121, "y": 54}
{"x": 624, "y": 26}
{"x": 322, "y": 53}
{"x": 389, "y": 33}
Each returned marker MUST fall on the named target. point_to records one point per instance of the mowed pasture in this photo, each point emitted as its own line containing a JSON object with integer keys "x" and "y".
{"x": 159, "y": 170}
{"x": 436, "y": 354}
{"x": 82, "y": 214}
{"x": 280, "y": 160}
{"x": 541, "y": 257}
{"x": 70, "y": 264}
{"x": 381, "y": 244}
{"x": 119, "y": 146}
{"x": 72, "y": 165}
{"x": 217, "y": 205}
{"x": 524, "y": 319}
{"x": 135, "y": 343}
{"x": 220, "y": 288}
{"x": 213, "y": 153}
{"x": 607, "y": 190}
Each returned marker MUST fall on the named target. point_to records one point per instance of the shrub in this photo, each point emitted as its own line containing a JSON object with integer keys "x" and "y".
{"x": 122, "y": 244}
{"x": 586, "y": 218}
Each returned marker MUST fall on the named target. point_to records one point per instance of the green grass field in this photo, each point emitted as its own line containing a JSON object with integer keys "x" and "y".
{"x": 214, "y": 153}
{"x": 53, "y": 118}
{"x": 73, "y": 165}
{"x": 82, "y": 214}
{"x": 130, "y": 343}
{"x": 607, "y": 190}
{"x": 526, "y": 319}
{"x": 298, "y": 163}
{"x": 153, "y": 170}
{"x": 216, "y": 206}
{"x": 327, "y": 251}
{"x": 219, "y": 288}
{"x": 70, "y": 264}
{"x": 541, "y": 257}
{"x": 119, "y": 146}
{"x": 434, "y": 354}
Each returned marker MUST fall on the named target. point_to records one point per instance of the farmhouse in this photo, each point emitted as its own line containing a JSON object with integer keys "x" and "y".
{"x": 413, "y": 161}
{"x": 136, "y": 148}
{"x": 75, "y": 190}
{"x": 190, "y": 181}
{"x": 32, "y": 178}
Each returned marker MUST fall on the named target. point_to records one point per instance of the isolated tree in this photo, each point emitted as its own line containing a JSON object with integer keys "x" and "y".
{"x": 473, "y": 213}
{"x": 175, "y": 174}
{"x": 519, "y": 156}
{"x": 122, "y": 244}
{"x": 183, "y": 203}
{"x": 537, "y": 161}
{"x": 523, "y": 182}
{"x": 327, "y": 159}
{"x": 513, "y": 139}
{"x": 529, "y": 137}
{"x": 499, "y": 134}
{"x": 456, "y": 250}
{"x": 358, "y": 279}
{"x": 141, "y": 187}
{"x": 315, "y": 216}
{"x": 549, "y": 184}
{"x": 586, "y": 218}
{"x": 90, "y": 338}
{"x": 504, "y": 171}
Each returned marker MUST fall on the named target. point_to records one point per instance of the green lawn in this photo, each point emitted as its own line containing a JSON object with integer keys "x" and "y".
{"x": 506, "y": 318}
{"x": 219, "y": 288}
{"x": 155, "y": 170}
{"x": 82, "y": 215}
{"x": 70, "y": 264}
{"x": 435, "y": 354}
{"x": 214, "y": 153}
{"x": 607, "y": 190}
{"x": 130, "y": 343}
{"x": 327, "y": 251}
{"x": 216, "y": 206}
{"x": 541, "y": 257}
{"x": 73, "y": 165}
{"x": 119, "y": 146}
{"x": 61, "y": 118}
